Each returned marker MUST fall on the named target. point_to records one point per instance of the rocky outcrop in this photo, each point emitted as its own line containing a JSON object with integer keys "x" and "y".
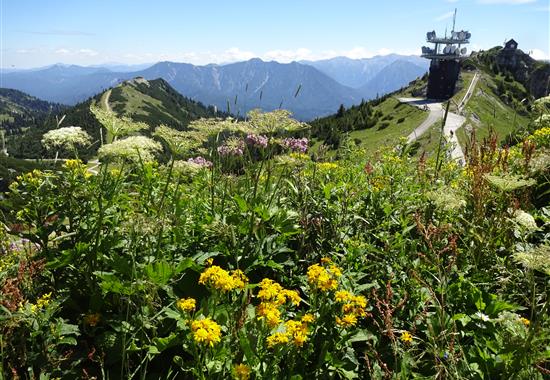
{"x": 533, "y": 74}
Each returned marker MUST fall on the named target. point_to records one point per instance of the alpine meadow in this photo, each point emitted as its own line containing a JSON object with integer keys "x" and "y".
{"x": 331, "y": 200}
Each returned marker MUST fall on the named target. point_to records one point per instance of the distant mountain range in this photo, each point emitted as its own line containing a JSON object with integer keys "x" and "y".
{"x": 394, "y": 76}
{"x": 308, "y": 89}
{"x": 356, "y": 73}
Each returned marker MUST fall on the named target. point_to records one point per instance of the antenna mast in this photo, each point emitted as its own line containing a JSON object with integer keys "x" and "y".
{"x": 454, "y": 20}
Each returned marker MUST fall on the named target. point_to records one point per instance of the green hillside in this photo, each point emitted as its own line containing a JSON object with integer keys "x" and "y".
{"x": 153, "y": 102}
{"x": 20, "y": 111}
{"x": 370, "y": 124}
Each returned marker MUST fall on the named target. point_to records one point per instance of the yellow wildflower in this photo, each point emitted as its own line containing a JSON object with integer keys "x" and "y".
{"x": 242, "y": 372}
{"x": 299, "y": 156}
{"x": 321, "y": 278}
{"x": 220, "y": 279}
{"x": 293, "y": 296}
{"x": 335, "y": 270}
{"x": 269, "y": 290}
{"x": 277, "y": 339}
{"x": 239, "y": 279}
{"x": 327, "y": 166}
{"x": 406, "y": 337}
{"x": 342, "y": 296}
{"x": 270, "y": 312}
{"x": 297, "y": 331}
{"x": 206, "y": 331}
{"x": 42, "y": 302}
{"x": 186, "y": 304}
{"x": 308, "y": 318}
{"x": 525, "y": 321}
{"x": 347, "y": 321}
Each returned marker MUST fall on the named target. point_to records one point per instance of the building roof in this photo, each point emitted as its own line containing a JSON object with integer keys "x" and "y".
{"x": 511, "y": 44}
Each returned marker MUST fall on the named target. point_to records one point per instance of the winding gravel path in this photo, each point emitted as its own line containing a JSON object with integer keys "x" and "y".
{"x": 105, "y": 100}
{"x": 437, "y": 112}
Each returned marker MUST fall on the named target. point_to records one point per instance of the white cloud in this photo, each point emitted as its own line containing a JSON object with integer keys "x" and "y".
{"x": 63, "y": 51}
{"x": 539, "y": 54}
{"x": 445, "y": 16}
{"x": 88, "y": 52}
{"x": 233, "y": 54}
{"x": 79, "y": 52}
{"x": 513, "y": 2}
{"x": 384, "y": 51}
{"x": 236, "y": 54}
{"x": 288, "y": 55}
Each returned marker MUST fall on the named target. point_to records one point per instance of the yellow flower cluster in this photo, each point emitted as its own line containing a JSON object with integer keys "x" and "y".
{"x": 299, "y": 156}
{"x": 541, "y": 137}
{"x": 77, "y": 167}
{"x": 186, "y": 304}
{"x": 42, "y": 302}
{"x": 272, "y": 296}
{"x": 206, "y": 331}
{"x": 353, "y": 308}
{"x": 242, "y": 372}
{"x": 276, "y": 339}
{"x": 379, "y": 182}
{"x": 327, "y": 166}
{"x": 525, "y": 321}
{"x": 324, "y": 277}
{"x": 33, "y": 179}
{"x": 295, "y": 332}
{"x": 8, "y": 259}
{"x": 220, "y": 279}
{"x": 270, "y": 312}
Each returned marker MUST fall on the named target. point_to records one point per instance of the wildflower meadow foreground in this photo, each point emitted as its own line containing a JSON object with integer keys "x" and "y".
{"x": 234, "y": 249}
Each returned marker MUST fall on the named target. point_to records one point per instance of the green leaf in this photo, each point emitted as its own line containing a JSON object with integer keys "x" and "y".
{"x": 161, "y": 344}
{"x": 244, "y": 342}
{"x": 241, "y": 203}
{"x": 362, "y": 336}
{"x": 159, "y": 272}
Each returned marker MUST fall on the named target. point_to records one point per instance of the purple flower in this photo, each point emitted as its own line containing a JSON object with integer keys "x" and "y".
{"x": 259, "y": 141}
{"x": 296, "y": 145}
{"x": 232, "y": 147}
{"x": 201, "y": 161}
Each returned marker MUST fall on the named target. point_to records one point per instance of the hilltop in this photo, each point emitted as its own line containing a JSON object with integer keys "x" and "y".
{"x": 153, "y": 102}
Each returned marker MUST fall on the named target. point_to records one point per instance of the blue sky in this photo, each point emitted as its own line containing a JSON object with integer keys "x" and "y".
{"x": 38, "y": 32}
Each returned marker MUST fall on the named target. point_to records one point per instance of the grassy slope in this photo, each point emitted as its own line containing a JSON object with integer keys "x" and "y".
{"x": 486, "y": 110}
{"x": 396, "y": 120}
{"x": 373, "y": 138}
{"x": 155, "y": 102}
